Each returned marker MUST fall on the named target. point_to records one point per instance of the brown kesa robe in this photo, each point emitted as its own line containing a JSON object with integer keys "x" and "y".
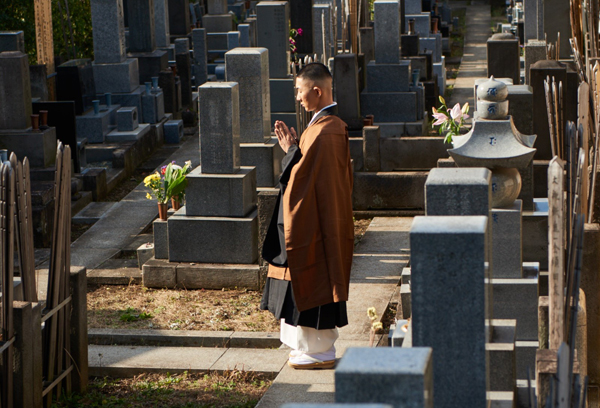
{"x": 318, "y": 223}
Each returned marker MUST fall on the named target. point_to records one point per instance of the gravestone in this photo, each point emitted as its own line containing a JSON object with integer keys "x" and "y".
{"x": 273, "y": 20}
{"x": 534, "y": 20}
{"x": 12, "y": 41}
{"x": 249, "y": 67}
{"x": 179, "y": 18}
{"x": 387, "y": 31}
{"x": 16, "y": 133}
{"x": 448, "y": 260}
{"x": 113, "y": 71}
{"x": 184, "y": 70}
{"x": 161, "y": 23}
{"x": 200, "y": 56}
{"x": 220, "y": 211}
{"x": 503, "y": 57}
{"x": 555, "y": 20}
{"x": 323, "y": 13}
{"x": 346, "y": 89}
{"x": 534, "y": 51}
{"x": 401, "y": 377}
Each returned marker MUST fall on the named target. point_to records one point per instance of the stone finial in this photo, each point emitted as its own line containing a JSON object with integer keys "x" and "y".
{"x": 491, "y": 100}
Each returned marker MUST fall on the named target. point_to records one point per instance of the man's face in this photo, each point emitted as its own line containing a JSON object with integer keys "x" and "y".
{"x": 307, "y": 94}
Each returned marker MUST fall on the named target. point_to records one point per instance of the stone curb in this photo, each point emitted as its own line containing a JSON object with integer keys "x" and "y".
{"x": 184, "y": 338}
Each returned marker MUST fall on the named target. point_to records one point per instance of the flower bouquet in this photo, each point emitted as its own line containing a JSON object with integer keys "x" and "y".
{"x": 450, "y": 121}
{"x": 169, "y": 183}
{"x": 294, "y": 32}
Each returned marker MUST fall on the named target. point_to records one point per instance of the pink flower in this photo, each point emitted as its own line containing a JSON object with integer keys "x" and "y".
{"x": 439, "y": 116}
{"x": 457, "y": 113}
{"x": 299, "y": 31}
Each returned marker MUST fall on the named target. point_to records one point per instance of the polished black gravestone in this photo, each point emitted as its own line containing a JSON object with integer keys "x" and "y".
{"x": 75, "y": 82}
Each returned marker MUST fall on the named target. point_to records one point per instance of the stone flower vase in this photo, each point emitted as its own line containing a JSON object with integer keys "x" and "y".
{"x": 162, "y": 211}
{"x": 175, "y": 203}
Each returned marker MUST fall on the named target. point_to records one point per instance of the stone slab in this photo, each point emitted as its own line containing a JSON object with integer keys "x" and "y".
{"x": 389, "y": 77}
{"x": 252, "y": 360}
{"x": 387, "y": 31}
{"x": 116, "y": 77}
{"x": 39, "y": 147}
{"x": 92, "y": 212}
{"x": 411, "y": 153}
{"x": 213, "y": 239}
{"x": 136, "y": 134}
{"x": 266, "y": 157}
{"x": 93, "y": 127}
{"x": 217, "y": 276}
{"x": 163, "y": 338}
{"x": 12, "y": 41}
{"x": 221, "y": 195}
{"x": 390, "y": 106}
{"x": 379, "y": 190}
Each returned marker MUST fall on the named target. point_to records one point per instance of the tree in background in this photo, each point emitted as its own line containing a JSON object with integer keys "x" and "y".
{"x": 71, "y": 25}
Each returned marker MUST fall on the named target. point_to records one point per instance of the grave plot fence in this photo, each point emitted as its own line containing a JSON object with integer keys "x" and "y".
{"x": 46, "y": 340}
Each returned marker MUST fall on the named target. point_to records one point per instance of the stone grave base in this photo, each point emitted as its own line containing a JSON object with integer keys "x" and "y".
{"x": 415, "y": 153}
{"x": 94, "y": 127}
{"x": 213, "y": 239}
{"x": 118, "y": 77}
{"x": 131, "y": 135}
{"x": 38, "y": 146}
{"x": 385, "y": 191}
{"x": 397, "y": 129}
{"x": 390, "y": 106}
{"x": 221, "y": 195}
{"x": 217, "y": 23}
{"x": 266, "y": 157}
{"x": 159, "y": 273}
{"x": 389, "y": 77}
{"x": 282, "y": 95}
{"x": 129, "y": 98}
{"x": 150, "y": 64}
{"x": 153, "y": 107}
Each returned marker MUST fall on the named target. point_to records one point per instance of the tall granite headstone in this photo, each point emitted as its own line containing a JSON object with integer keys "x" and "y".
{"x": 448, "y": 305}
{"x": 273, "y": 21}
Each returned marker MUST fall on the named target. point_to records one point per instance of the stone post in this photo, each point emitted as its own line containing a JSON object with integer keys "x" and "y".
{"x": 200, "y": 55}
{"x": 448, "y": 261}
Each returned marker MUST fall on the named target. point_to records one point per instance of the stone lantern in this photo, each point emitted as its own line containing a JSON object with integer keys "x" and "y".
{"x": 494, "y": 142}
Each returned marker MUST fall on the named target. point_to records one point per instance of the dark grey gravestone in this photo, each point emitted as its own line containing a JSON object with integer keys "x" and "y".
{"x": 217, "y": 23}
{"x": 390, "y": 106}
{"x": 320, "y": 12}
{"x": 371, "y": 157}
{"x": 38, "y": 78}
{"x": 219, "y": 117}
{"x": 127, "y": 119}
{"x": 173, "y": 131}
{"x": 182, "y": 45}
{"x": 301, "y": 17}
{"x": 413, "y": 7}
{"x": 108, "y": 31}
{"x": 346, "y": 89}
{"x": 141, "y": 25}
{"x": 401, "y": 377}
{"x": 213, "y": 239}
{"x": 221, "y": 195}
{"x": 387, "y": 32}
{"x": 184, "y": 70}
{"x": 179, "y": 17}
{"x": 75, "y": 82}
{"x": 61, "y": 115}
{"x": 448, "y": 261}
{"x": 217, "y": 7}
{"x": 244, "y": 30}
{"x": 553, "y": 21}
{"x": 150, "y": 64}
{"x": 200, "y": 56}
{"x": 117, "y": 78}
{"x": 162, "y": 33}
{"x": 233, "y": 39}
{"x": 409, "y": 45}
{"x": 503, "y": 57}
{"x": 520, "y": 107}
{"x": 249, "y": 67}
{"x": 538, "y": 73}
{"x": 458, "y": 191}
{"x": 273, "y": 21}
{"x": 12, "y": 41}
{"x": 15, "y": 98}
{"x": 389, "y": 77}
{"x": 166, "y": 82}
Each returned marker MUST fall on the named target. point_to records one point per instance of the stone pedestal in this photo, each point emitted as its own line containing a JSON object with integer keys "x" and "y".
{"x": 507, "y": 245}
{"x": 119, "y": 77}
{"x": 94, "y": 127}
{"x": 150, "y": 64}
{"x": 266, "y": 157}
{"x": 38, "y": 146}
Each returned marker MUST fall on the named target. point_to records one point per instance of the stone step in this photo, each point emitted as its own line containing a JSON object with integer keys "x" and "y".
{"x": 92, "y": 212}
{"x": 129, "y": 361}
{"x": 184, "y": 338}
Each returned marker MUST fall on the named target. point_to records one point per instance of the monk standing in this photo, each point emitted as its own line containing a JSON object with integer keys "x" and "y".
{"x": 310, "y": 240}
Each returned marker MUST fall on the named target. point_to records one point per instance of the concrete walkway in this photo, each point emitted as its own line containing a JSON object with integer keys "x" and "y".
{"x": 123, "y": 221}
{"x": 474, "y": 61}
{"x": 378, "y": 262}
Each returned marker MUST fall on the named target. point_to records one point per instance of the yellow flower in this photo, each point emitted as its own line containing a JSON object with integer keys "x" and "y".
{"x": 372, "y": 313}
{"x": 377, "y": 326}
{"x": 149, "y": 179}
{"x": 148, "y": 196}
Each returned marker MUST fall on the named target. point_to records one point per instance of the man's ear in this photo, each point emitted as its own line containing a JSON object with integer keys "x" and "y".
{"x": 319, "y": 90}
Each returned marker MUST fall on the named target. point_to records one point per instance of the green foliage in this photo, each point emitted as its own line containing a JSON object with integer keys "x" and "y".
{"x": 131, "y": 315}
{"x": 19, "y": 15}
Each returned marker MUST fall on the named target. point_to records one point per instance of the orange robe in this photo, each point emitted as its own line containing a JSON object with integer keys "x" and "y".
{"x": 318, "y": 220}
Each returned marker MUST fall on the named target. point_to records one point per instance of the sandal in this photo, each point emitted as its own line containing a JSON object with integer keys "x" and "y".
{"x": 306, "y": 362}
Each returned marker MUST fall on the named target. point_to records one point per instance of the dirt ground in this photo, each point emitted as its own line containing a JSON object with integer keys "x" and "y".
{"x": 138, "y": 307}
{"x": 234, "y": 389}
